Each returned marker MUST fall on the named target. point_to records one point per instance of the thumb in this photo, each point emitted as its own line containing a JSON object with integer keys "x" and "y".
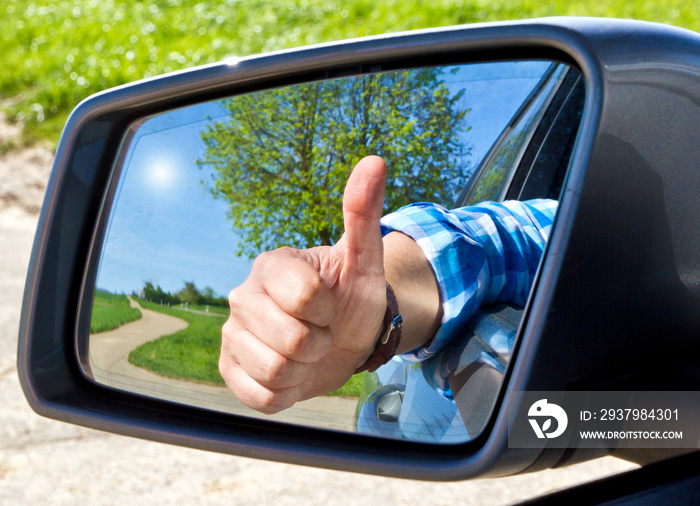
{"x": 363, "y": 204}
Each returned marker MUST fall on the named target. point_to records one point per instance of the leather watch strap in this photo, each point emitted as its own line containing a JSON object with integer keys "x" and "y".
{"x": 390, "y": 337}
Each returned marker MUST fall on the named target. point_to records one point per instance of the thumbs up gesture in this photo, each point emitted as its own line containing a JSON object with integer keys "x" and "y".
{"x": 304, "y": 320}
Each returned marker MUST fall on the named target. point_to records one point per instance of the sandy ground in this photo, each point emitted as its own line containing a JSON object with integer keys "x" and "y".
{"x": 48, "y": 462}
{"x": 23, "y": 173}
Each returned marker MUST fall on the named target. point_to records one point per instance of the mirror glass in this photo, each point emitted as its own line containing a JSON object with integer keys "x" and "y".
{"x": 201, "y": 191}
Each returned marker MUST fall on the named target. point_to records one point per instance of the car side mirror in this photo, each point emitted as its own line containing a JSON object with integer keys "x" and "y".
{"x": 564, "y": 118}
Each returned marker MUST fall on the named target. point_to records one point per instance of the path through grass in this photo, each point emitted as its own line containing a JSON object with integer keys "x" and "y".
{"x": 189, "y": 354}
{"x": 110, "y": 311}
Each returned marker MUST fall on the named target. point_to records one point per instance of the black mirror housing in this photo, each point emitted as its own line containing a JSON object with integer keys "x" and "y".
{"x": 617, "y": 291}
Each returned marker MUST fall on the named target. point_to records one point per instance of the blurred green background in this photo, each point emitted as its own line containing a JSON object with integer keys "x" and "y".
{"x": 55, "y": 53}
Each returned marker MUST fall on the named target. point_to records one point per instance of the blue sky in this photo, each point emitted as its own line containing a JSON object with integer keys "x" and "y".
{"x": 164, "y": 226}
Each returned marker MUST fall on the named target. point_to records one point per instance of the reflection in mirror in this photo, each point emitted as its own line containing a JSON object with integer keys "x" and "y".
{"x": 204, "y": 190}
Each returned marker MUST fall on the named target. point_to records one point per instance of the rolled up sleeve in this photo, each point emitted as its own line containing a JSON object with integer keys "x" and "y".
{"x": 479, "y": 254}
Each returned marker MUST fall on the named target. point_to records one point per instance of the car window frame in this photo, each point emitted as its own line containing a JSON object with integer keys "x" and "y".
{"x": 510, "y": 177}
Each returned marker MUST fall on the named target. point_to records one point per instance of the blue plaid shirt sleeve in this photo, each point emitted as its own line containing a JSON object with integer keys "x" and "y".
{"x": 480, "y": 254}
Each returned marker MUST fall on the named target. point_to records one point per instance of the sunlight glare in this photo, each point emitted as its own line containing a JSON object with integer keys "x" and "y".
{"x": 162, "y": 173}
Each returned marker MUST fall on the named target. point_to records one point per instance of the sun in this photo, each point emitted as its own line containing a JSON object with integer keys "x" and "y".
{"x": 162, "y": 173}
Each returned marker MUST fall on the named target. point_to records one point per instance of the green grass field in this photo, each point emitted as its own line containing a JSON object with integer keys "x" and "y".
{"x": 190, "y": 354}
{"x": 193, "y": 353}
{"x": 57, "y": 52}
{"x": 223, "y": 311}
{"x": 110, "y": 311}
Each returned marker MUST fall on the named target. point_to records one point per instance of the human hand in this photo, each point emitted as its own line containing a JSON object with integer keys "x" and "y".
{"x": 304, "y": 320}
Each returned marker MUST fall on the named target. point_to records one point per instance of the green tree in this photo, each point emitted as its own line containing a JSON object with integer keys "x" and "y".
{"x": 157, "y": 294}
{"x": 208, "y": 295}
{"x": 281, "y": 157}
{"x": 190, "y": 293}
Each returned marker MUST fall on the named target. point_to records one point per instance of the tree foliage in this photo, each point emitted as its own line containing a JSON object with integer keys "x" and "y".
{"x": 188, "y": 294}
{"x": 157, "y": 294}
{"x": 281, "y": 157}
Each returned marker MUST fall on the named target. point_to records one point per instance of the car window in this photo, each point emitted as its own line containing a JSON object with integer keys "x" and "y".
{"x": 546, "y": 159}
{"x": 495, "y": 173}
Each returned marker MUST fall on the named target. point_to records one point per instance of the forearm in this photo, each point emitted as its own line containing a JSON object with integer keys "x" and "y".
{"x": 474, "y": 255}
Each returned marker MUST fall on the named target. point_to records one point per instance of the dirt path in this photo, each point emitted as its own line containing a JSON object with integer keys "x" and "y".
{"x": 109, "y": 351}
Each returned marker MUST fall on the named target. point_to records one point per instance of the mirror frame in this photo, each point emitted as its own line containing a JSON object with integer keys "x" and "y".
{"x": 62, "y": 270}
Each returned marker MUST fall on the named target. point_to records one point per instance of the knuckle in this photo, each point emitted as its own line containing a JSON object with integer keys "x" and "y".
{"x": 306, "y": 294}
{"x": 274, "y": 370}
{"x": 229, "y": 331}
{"x": 264, "y": 258}
{"x": 258, "y": 398}
{"x": 234, "y": 299}
{"x": 239, "y": 302}
{"x": 298, "y": 341}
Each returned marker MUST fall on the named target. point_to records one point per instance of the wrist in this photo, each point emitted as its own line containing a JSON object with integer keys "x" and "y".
{"x": 373, "y": 346}
{"x": 388, "y": 339}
